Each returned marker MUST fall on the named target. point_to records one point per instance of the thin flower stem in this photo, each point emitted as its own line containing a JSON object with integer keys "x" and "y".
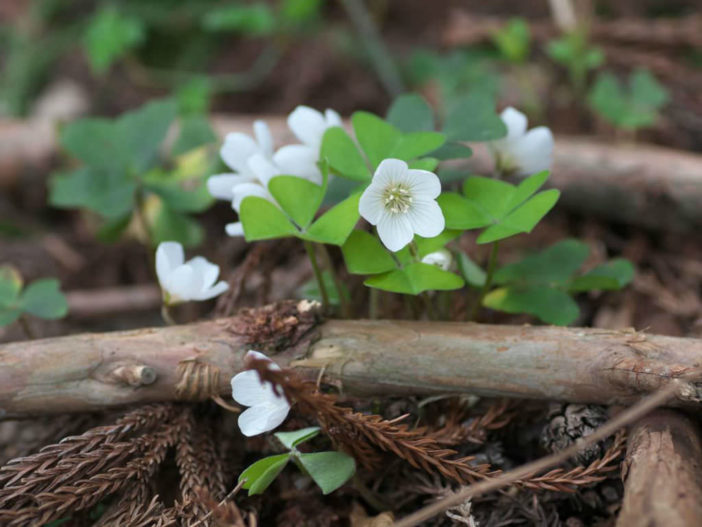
{"x": 28, "y": 331}
{"x": 309, "y": 248}
{"x": 343, "y": 301}
{"x": 166, "y": 316}
{"x": 492, "y": 264}
{"x": 373, "y": 303}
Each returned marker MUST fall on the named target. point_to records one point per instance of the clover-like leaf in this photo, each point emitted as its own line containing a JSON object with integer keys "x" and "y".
{"x": 299, "y": 198}
{"x": 291, "y": 439}
{"x": 171, "y": 225}
{"x": 364, "y": 254}
{"x": 263, "y": 221}
{"x": 551, "y": 305}
{"x": 335, "y": 225}
{"x": 473, "y": 118}
{"x": 610, "y": 275}
{"x": 263, "y": 472}
{"x": 343, "y": 155}
{"x": 43, "y": 298}
{"x": 416, "y": 278}
{"x": 411, "y": 113}
{"x": 381, "y": 140}
{"x": 329, "y": 470}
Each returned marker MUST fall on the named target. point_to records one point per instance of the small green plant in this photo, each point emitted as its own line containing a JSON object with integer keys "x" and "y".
{"x": 329, "y": 470}
{"x": 574, "y": 52}
{"x": 42, "y": 298}
{"x": 513, "y": 40}
{"x": 122, "y": 177}
{"x": 628, "y": 108}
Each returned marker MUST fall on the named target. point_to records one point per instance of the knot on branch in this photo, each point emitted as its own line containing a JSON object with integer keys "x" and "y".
{"x": 197, "y": 380}
{"x": 278, "y": 326}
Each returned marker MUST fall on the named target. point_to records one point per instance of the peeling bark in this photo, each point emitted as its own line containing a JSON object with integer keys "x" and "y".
{"x": 663, "y": 473}
{"x": 92, "y": 371}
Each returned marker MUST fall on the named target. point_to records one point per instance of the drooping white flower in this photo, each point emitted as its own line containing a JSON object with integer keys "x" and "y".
{"x": 183, "y": 281}
{"x": 401, "y": 202}
{"x": 267, "y": 410}
{"x": 522, "y": 152}
{"x": 441, "y": 258}
{"x": 236, "y": 151}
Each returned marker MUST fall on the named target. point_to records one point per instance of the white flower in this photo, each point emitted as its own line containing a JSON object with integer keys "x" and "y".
{"x": 401, "y": 202}
{"x": 236, "y": 152}
{"x": 520, "y": 151}
{"x": 267, "y": 410}
{"x": 441, "y": 258}
{"x": 184, "y": 281}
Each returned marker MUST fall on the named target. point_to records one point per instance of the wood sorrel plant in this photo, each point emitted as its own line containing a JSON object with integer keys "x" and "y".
{"x": 384, "y": 174}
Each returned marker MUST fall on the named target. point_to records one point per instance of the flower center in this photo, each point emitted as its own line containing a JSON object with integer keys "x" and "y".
{"x": 397, "y": 198}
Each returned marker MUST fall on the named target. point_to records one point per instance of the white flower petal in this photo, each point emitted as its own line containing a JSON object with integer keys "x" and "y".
{"x": 262, "y": 418}
{"x": 371, "y": 206}
{"x": 247, "y": 388}
{"x": 220, "y": 185}
{"x": 441, "y": 258}
{"x": 300, "y": 161}
{"x": 253, "y": 354}
{"x": 263, "y": 137}
{"x": 426, "y": 218}
{"x": 423, "y": 183}
{"x": 179, "y": 284}
{"x": 207, "y": 270}
{"x": 249, "y": 189}
{"x": 515, "y": 121}
{"x": 395, "y": 231}
{"x": 213, "y": 291}
{"x": 169, "y": 255}
{"x": 332, "y": 118}
{"x": 234, "y": 229}
{"x": 237, "y": 149}
{"x": 390, "y": 171}
{"x": 263, "y": 168}
{"x": 533, "y": 152}
{"x": 307, "y": 124}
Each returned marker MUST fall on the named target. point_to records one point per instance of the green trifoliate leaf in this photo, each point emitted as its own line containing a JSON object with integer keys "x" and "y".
{"x": 263, "y": 472}
{"x": 10, "y": 285}
{"x": 553, "y": 306}
{"x": 109, "y": 36}
{"x": 298, "y": 197}
{"x": 452, "y": 150}
{"x": 552, "y": 266}
{"x": 381, "y": 140}
{"x": 430, "y": 245}
{"x": 180, "y": 195}
{"x": 426, "y": 163}
{"x": 513, "y": 40}
{"x": 364, "y": 254}
{"x": 195, "y": 131}
{"x": 473, "y": 118}
{"x": 411, "y": 113}
{"x": 142, "y": 131}
{"x": 8, "y": 315}
{"x": 112, "y": 229}
{"x": 335, "y": 225}
{"x": 44, "y": 299}
{"x": 416, "y": 278}
{"x": 329, "y": 470}
{"x": 503, "y": 208}
{"x": 107, "y": 192}
{"x": 611, "y": 275}
{"x": 291, "y": 439}
{"x": 471, "y": 272}
{"x": 96, "y": 142}
{"x": 264, "y": 221}
{"x": 171, "y": 225}
{"x": 343, "y": 155}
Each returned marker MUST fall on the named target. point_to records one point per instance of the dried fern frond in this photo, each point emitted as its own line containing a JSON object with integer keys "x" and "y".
{"x": 351, "y": 430}
{"x": 82, "y": 479}
{"x": 455, "y": 430}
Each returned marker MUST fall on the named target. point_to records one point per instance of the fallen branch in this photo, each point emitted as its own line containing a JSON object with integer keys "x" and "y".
{"x": 663, "y": 482}
{"x": 93, "y": 371}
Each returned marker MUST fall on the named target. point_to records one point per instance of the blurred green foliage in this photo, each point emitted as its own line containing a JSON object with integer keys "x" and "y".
{"x": 164, "y": 43}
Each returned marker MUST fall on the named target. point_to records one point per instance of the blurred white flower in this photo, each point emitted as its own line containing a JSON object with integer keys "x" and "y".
{"x": 267, "y": 410}
{"x": 522, "y": 152}
{"x": 441, "y": 258}
{"x": 236, "y": 152}
{"x": 401, "y": 202}
{"x": 184, "y": 281}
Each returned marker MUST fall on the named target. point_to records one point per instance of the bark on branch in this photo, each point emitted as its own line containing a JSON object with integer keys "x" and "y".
{"x": 663, "y": 473}
{"x": 92, "y": 371}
